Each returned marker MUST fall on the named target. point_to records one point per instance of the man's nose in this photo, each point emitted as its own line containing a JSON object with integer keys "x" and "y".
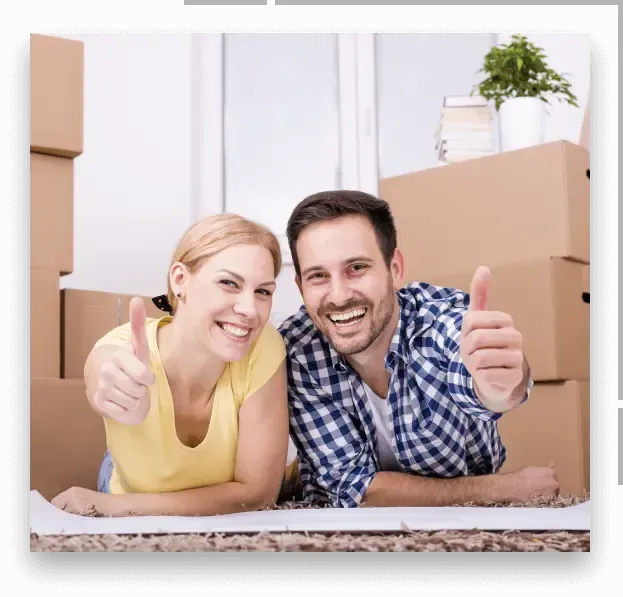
{"x": 340, "y": 292}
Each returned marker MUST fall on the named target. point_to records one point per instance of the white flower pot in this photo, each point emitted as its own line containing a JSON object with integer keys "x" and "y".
{"x": 522, "y": 123}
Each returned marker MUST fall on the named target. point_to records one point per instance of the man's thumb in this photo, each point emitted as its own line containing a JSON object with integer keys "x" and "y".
{"x": 138, "y": 330}
{"x": 479, "y": 290}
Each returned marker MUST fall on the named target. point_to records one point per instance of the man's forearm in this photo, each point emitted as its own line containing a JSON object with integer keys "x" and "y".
{"x": 226, "y": 498}
{"x": 390, "y": 488}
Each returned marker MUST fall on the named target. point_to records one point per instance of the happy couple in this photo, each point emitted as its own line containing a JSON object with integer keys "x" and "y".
{"x": 391, "y": 393}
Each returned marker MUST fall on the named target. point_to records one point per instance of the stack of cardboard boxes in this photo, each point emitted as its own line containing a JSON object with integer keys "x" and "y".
{"x": 525, "y": 215}
{"x": 67, "y": 437}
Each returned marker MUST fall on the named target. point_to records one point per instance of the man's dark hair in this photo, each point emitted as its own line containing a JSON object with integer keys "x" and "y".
{"x": 329, "y": 205}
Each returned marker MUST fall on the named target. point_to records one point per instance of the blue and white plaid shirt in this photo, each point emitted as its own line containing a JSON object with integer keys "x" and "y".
{"x": 439, "y": 427}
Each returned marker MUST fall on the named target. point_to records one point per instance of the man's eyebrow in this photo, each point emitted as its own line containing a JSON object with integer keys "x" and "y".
{"x": 241, "y": 279}
{"x": 360, "y": 258}
{"x": 309, "y": 270}
{"x": 319, "y": 268}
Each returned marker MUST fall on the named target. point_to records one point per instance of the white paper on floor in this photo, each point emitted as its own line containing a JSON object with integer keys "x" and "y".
{"x": 46, "y": 519}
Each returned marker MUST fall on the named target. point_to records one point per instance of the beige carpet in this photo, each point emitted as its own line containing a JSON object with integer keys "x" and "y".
{"x": 403, "y": 541}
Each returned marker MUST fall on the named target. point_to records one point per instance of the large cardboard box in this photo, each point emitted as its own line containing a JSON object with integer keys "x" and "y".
{"x": 87, "y": 315}
{"x": 67, "y": 438}
{"x": 56, "y": 95}
{"x": 51, "y": 213}
{"x": 511, "y": 207}
{"x": 546, "y": 300}
{"x": 552, "y": 426}
{"x": 45, "y": 324}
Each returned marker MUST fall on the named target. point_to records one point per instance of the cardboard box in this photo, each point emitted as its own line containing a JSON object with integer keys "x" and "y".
{"x": 552, "y": 426}
{"x": 511, "y": 207}
{"x": 56, "y": 95}
{"x": 45, "y": 324}
{"x": 87, "y": 315}
{"x": 545, "y": 299}
{"x": 67, "y": 438}
{"x": 51, "y": 213}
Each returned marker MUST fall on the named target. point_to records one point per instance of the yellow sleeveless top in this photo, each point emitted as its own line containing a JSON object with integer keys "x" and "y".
{"x": 149, "y": 458}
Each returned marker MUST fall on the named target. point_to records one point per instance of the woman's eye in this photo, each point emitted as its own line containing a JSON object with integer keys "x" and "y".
{"x": 229, "y": 283}
{"x": 264, "y": 292}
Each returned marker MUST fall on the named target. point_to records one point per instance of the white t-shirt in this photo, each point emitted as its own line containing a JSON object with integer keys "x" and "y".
{"x": 380, "y": 412}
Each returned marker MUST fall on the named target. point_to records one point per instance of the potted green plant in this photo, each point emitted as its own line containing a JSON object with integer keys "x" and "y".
{"x": 520, "y": 83}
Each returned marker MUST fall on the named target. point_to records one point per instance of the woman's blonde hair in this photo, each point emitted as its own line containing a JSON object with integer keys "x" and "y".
{"x": 216, "y": 233}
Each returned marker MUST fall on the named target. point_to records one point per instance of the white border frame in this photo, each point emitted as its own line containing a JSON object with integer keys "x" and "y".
{"x": 367, "y": 126}
{"x": 347, "y": 110}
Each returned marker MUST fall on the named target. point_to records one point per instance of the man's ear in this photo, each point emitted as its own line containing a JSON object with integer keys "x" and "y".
{"x": 397, "y": 269}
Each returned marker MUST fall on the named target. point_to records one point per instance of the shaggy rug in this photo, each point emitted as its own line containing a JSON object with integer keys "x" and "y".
{"x": 407, "y": 540}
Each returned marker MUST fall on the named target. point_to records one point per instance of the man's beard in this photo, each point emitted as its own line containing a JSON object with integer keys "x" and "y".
{"x": 379, "y": 321}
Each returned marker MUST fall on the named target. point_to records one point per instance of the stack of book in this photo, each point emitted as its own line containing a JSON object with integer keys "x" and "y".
{"x": 465, "y": 129}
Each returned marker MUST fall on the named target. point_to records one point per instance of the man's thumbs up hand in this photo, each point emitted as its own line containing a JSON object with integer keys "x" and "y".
{"x": 479, "y": 289}
{"x": 491, "y": 348}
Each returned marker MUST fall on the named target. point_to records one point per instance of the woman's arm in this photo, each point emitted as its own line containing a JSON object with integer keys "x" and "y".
{"x": 260, "y": 465}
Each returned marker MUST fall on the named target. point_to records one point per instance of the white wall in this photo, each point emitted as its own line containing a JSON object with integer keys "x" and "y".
{"x": 281, "y": 132}
{"x": 133, "y": 186}
{"x": 281, "y": 122}
{"x": 566, "y": 53}
{"x": 137, "y": 184}
{"x": 414, "y": 74}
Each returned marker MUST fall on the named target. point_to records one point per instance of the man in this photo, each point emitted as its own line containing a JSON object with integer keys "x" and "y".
{"x": 395, "y": 391}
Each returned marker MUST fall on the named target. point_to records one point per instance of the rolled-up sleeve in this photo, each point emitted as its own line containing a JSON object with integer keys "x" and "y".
{"x": 336, "y": 463}
{"x": 460, "y": 381}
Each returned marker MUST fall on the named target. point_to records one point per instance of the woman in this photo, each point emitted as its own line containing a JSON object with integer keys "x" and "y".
{"x": 195, "y": 403}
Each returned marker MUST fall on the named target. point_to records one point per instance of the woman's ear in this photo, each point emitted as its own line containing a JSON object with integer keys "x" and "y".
{"x": 178, "y": 276}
